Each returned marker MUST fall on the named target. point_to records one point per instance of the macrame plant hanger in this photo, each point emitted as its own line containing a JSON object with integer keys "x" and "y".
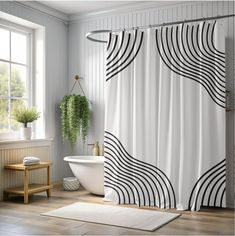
{"x": 77, "y": 78}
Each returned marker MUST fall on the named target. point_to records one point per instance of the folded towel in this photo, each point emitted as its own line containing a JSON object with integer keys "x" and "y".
{"x": 30, "y": 160}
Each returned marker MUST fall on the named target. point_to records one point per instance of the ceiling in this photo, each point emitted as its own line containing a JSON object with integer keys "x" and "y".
{"x": 80, "y": 7}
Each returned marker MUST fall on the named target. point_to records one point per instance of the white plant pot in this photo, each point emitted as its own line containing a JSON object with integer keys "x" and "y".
{"x": 25, "y": 133}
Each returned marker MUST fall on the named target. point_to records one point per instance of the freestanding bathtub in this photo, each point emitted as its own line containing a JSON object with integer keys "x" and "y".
{"x": 90, "y": 172}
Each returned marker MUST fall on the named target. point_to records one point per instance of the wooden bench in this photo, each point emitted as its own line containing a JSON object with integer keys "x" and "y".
{"x": 28, "y": 189}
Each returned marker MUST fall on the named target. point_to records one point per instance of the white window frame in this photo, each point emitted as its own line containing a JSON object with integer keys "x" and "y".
{"x": 12, "y": 27}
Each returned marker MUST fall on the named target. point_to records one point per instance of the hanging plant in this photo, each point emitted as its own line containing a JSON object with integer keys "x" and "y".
{"x": 74, "y": 118}
{"x": 84, "y": 116}
{"x": 64, "y": 117}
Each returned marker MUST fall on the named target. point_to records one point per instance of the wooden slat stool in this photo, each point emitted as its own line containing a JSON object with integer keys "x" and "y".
{"x": 28, "y": 189}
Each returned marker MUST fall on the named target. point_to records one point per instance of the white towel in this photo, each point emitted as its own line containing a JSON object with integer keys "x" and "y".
{"x": 30, "y": 160}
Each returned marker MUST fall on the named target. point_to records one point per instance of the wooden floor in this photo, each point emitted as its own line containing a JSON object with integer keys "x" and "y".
{"x": 17, "y": 218}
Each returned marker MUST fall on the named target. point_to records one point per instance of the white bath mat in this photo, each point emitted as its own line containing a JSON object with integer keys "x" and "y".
{"x": 113, "y": 215}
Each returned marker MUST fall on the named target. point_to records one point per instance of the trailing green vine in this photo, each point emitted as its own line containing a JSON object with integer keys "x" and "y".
{"x": 74, "y": 117}
{"x": 84, "y": 116}
{"x": 64, "y": 117}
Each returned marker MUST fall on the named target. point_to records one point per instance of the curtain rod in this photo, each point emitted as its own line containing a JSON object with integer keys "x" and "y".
{"x": 89, "y": 34}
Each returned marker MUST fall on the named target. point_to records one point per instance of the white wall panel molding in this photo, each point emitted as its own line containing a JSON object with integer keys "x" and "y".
{"x": 137, "y": 7}
{"x": 25, "y": 143}
{"x": 43, "y": 9}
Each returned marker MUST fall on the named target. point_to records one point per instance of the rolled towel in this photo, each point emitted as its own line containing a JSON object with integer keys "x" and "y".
{"x": 30, "y": 160}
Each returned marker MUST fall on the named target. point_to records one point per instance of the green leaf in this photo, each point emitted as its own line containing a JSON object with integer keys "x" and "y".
{"x": 74, "y": 118}
{"x": 25, "y": 115}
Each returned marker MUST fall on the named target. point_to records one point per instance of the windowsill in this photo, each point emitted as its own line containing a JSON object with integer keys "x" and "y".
{"x": 20, "y": 143}
{"x": 24, "y": 140}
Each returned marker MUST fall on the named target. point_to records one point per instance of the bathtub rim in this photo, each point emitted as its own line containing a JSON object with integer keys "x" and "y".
{"x": 78, "y": 159}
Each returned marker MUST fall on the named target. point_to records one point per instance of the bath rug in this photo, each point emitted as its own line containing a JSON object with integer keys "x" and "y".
{"x": 140, "y": 219}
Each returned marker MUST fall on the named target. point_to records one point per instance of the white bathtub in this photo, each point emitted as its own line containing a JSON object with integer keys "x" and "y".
{"x": 90, "y": 172}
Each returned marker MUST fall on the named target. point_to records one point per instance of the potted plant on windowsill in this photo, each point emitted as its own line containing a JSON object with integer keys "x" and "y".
{"x": 25, "y": 115}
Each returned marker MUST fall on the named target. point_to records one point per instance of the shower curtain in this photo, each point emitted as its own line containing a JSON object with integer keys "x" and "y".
{"x": 165, "y": 117}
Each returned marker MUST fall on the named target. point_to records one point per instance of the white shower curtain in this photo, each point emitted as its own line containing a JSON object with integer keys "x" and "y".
{"x": 165, "y": 117}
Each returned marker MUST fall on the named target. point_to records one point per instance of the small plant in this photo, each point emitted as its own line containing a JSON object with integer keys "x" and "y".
{"x": 74, "y": 117}
{"x": 26, "y": 115}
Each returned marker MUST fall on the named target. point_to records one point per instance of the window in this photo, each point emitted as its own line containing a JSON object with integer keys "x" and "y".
{"x": 15, "y": 73}
{"x": 22, "y": 73}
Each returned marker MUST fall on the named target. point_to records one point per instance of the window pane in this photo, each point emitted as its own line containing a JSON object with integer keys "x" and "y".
{"x": 4, "y": 44}
{"x": 18, "y": 47}
{"x": 4, "y": 79}
{"x": 16, "y": 103}
{"x": 18, "y": 81}
{"x": 4, "y": 121}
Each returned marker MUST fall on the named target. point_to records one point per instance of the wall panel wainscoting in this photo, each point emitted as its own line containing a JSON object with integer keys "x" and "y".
{"x": 12, "y": 155}
{"x": 89, "y": 60}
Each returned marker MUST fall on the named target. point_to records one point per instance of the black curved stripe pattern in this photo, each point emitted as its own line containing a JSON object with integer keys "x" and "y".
{"x": 196, "y": 48}
{"x": 178, "y": 70}
{"x": 196, "y": 57}
{"x": 209, "y": 50}
{"x": 204, "y": 51}
{"x": 119, "y": 56}
{"x": 124, "y": 57}
{"x": 114, "y": 46}
{"x": 222, "y": 54}
{"x": 145, "y": 184}
{"x": 190, "y": 70}
{"x": 131, "y": 169}
{"x": 130, "y": 51}
{"x": 119, "y": 189}
{"x": 125, "y": 177}
{"x": 189, "y": 61}
{"x": 115, "y": 189}
{"x": 114, "y": 57}
{"x": 125, "y": 168}
{"x": 191, "y": 55}
{"x": 209, "y": 188}
{"x": 109, "y": 41}
{"x": 124, "y": 187}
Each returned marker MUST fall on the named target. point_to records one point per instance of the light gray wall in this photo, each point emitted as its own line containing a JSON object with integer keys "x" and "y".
{"x": 87, "y": 59}
{"x": 56, "y": 80}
